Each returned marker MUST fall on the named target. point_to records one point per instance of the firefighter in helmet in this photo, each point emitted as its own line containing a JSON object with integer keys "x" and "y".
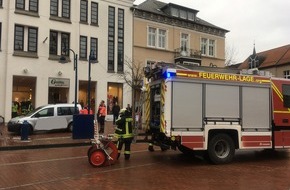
{"x": 124, "y": 132}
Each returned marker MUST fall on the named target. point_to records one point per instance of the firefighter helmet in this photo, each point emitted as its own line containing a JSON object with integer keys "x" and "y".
{"x": 123, "y": 111}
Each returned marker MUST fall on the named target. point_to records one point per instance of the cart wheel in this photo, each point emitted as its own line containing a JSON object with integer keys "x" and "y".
{"x": 113, "y": 152}
{"x": 91, "y": 149}
{"x": 97, "y": 158}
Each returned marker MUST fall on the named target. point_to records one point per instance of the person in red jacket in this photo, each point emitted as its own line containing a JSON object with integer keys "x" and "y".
{"x": 102, "y": 112}
{"x": 85, "y": 110}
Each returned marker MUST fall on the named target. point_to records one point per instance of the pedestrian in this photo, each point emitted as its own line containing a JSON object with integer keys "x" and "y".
{"x": 129, "y": 108}
{"x": 102, "y": 112}
{"x": 14, "y": 109}
{"x": 124, "y": 132}
{"x": 85, "y": 110}
{"x": 116, "y": 110}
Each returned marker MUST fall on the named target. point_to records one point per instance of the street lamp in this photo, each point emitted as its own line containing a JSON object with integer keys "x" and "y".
{"x": 63, "y": 59}
{"x": 92, "y": 59}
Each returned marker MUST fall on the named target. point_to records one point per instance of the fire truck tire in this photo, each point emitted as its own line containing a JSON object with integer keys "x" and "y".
{"x": 97, "y": 158}
{"x": 221, "y": 149}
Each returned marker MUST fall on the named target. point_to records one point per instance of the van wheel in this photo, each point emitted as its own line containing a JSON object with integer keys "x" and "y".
{"x": 70, "y": 127}
{"x": 221, "y": 149}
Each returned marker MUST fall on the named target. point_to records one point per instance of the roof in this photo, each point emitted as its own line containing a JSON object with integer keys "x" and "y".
{"x": 157, "y": 7}
{"x": 271, "y": 58}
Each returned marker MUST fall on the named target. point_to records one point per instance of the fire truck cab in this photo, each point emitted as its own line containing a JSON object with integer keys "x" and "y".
{"x": 216, "y": 113}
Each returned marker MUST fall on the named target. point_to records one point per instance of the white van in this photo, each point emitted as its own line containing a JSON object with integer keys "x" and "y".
{"x": 48, "y": 117}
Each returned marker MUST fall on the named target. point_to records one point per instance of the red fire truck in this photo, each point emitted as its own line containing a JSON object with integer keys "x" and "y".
{"x": 216, "y": 113}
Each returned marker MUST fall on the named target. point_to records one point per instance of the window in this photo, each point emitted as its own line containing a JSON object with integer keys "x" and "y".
{"x": 157, "y": 37}
{"x": 94, "y": 13}
{"x": 53, "y": 42}
{"x": 184, "y": 42}
{"x": 94, "y": 47}
{"x": 33, "y": 5}
{"x": 48, "y": 112}
{"x": 286, "y": 74}
{"x": 203, "y": 46}
{"x": 174, "y": 12}
{"x": 65, "y": 42}
{"x": 84, "y": 11}
{"x": 183, "y": 14}
{"x": 190, "y": 16}
{"x": 120, "y": 67}
{"x": 211, "y": 48}
{"x": 207, "y": 47}
{"x": 66, "y": 8}
{"x": 161, "y": 38}
{"x": 286, "y": 95}
{"x": 1, "y": 3}
{"x": 111, "y": 38}
{"x": 32, "y": 39}
{"x": 20, "y": 4}
{"x": 151, "y": 36}
{"x": 83, "y": 47}
{"x": 54, "y": 7}
{"x": 18, "y": 38}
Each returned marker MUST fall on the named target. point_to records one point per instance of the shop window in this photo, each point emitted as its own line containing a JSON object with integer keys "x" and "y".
{"x": 115, "y": 94}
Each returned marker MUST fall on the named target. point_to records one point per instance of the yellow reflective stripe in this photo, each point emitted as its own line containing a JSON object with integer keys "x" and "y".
{"x": 280, "y": 95}
{"x": 278, "y": 111}
{"x": 162, "y": 102}
{"x": 127, "y": 152}
{"x": 147, "y": 107}
{"x": 274, "y": 87}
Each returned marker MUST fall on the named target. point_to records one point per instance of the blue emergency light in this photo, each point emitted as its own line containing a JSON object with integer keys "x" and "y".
{"x": 170, "y": 73}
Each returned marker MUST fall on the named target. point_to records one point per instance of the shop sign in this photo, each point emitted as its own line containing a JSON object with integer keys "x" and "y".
{"x": 57, "y": 82}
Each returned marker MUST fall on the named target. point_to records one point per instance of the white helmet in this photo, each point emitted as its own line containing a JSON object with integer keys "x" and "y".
{"x": 122, "y": 111}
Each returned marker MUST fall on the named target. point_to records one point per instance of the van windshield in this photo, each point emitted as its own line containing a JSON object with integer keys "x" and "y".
{"x": 34, "y": 111}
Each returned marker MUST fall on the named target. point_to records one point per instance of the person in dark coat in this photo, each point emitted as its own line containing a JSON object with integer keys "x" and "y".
{"x": 116, "y": 111}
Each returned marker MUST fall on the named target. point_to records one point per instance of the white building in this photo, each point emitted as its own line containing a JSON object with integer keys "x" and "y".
{"x": 33, "y": 34}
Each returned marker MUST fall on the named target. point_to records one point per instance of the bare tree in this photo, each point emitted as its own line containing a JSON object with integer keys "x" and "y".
{"x": 133, "y": 76}
{"x": 231, "y": 54}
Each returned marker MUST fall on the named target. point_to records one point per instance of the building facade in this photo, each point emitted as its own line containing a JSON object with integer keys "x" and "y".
{"x": 174, "y": 34}
{"x": 35, "y": 34}
{"x": 276, "y": 62}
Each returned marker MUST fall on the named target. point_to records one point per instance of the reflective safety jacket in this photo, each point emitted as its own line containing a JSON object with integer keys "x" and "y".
{"x": 124, "y": 127}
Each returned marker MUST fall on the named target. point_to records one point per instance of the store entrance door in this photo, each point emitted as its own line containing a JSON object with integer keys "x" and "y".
{"x": 23, "y": 93}
{"x": 83, "y": 94}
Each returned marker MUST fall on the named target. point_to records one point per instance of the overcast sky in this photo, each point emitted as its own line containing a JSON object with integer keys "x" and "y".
{"x": 263, "y": 22}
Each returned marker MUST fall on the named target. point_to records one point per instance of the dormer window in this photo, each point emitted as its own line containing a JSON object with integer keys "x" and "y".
{"x": 183, "y": 14}
{"x": 190, "y": 16}
{"x": 174, "y": 12}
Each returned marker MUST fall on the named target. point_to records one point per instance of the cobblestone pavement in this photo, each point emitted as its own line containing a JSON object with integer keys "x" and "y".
{"x": 68, "y": 168}
{"x": 46, "y": 139}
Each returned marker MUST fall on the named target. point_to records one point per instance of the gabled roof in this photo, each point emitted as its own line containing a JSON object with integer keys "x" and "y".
{"x": 271, "y": 58}
{"x": 157, "y": 7}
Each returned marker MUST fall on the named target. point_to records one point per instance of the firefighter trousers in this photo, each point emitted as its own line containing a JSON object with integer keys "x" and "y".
{"x": 127, "y": 142}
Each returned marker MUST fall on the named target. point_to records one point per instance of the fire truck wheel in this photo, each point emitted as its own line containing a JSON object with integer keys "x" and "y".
{"x": 97, "y": 158}
{"x": 221, "y": 149}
